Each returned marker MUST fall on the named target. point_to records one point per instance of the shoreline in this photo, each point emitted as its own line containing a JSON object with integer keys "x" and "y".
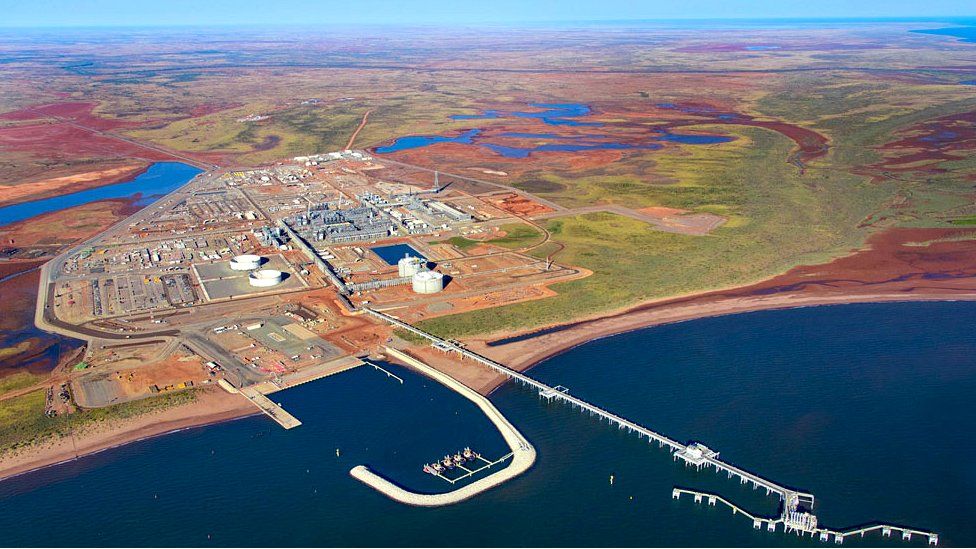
{"x": 897, "y": 265}
{"x": 517, "y": 355}
{"x": 76, "y": 183}
{"x": 902, "y": 265}
{"x": 532, "y": 351}
{"x": 58, "y": 451}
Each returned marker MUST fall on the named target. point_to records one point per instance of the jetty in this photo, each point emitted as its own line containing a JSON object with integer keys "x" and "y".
{"x": 522, "y": 453}
{"x": 805, "y": 523}
{"x": 795, "y": 504}
{"x": 256, "y": 394}
{"x": 269, "y": 408}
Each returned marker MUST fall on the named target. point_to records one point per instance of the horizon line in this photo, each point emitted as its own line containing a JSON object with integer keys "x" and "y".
{"x": 962, "y": 20}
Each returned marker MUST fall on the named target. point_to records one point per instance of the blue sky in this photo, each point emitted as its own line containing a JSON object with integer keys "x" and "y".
{"x": 57, "y": 13}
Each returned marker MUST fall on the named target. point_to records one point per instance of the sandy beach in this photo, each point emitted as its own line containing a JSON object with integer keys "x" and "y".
{"x": 211, "y": 406}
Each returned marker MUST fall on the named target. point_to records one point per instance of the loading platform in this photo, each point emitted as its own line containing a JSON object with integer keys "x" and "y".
{"x": 270, "y": 409}
{"x": 468, "y": 473}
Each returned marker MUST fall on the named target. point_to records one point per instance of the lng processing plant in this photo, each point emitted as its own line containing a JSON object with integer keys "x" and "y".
{"x": 261, "y": 279}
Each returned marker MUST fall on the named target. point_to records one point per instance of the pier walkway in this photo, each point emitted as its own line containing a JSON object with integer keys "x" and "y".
{"x": 795, "y": 504}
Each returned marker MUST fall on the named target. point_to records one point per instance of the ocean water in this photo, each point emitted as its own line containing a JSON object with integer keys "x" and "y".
{"x": 963, "y": 33}
{"x": 161, "y": 178}
{"x": 867, "y": 406}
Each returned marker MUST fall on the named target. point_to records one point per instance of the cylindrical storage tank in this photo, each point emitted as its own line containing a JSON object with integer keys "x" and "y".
{"x": 246, "y": 262}
{"x": 264, "y": 278}
{"x": 428, "y": 282}
{"x": 409, "y": 266}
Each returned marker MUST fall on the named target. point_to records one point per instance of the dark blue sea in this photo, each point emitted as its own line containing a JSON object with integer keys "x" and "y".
{"x": 870, "y": 407}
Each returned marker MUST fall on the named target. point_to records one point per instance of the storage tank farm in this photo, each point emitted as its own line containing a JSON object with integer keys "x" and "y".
{"x": 410, "y": 265}
{"x": 428, "y": 282}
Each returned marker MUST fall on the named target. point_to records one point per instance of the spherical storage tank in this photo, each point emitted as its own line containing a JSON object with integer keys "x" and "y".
{"x": 428, "y": 282}
{"x": 409, "y": 265}
{"x": 246, "y": 262}
{"x": 264, "y": 278}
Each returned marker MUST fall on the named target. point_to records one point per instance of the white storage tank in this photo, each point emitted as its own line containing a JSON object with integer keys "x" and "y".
{"x": 246, "y": 262}
{"x": 428, "y": 282}
{"x": 264, "y": 278}
{"x": 409, "y": 265}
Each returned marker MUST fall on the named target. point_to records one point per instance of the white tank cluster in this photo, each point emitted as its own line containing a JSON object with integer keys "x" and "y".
{"x": 409, "y": 265}
{"x": 246, "y": 262}
{"x": 265, "y": 278}
{"x": 428, "y": 282}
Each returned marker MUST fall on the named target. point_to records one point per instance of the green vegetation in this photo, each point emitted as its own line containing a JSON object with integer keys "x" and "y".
{"x": 409, "y": 336}
{"x": 459, "y": 242}
{"x": 782, "y": 218}
{"x": 517, "y": 236}
{"x": 19, "y": 380}
{"x": 23, "y": 422}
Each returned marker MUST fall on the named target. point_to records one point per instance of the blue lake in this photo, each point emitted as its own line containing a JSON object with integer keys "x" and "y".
{"x": 524, "y": 152}
{"x": 161, "y": 178}
{"x": 553, "y": 114}
{"x": 867, "y": 406}
{"x": 694, "y": 139}
{"x": 394, "y": 253}
{"x": 968, "y": 82}
{"x": 416, "y": 141}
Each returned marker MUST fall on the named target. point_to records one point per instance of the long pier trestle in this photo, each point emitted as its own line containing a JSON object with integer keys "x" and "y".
{"x": 795, "y": 511}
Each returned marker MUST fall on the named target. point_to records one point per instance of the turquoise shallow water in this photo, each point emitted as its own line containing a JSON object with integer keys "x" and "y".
{"x": 867, "y": 406}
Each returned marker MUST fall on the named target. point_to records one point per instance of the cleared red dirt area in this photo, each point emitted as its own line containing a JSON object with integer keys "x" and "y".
{"x": 77, "y": 111}
{"x": 519, "y": 205}
{"x": 65, "y": 141}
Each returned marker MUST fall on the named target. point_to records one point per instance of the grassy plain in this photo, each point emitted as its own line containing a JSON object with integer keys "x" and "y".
{"x": 23, "y": 422}
{"x": 780, "y": 218}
